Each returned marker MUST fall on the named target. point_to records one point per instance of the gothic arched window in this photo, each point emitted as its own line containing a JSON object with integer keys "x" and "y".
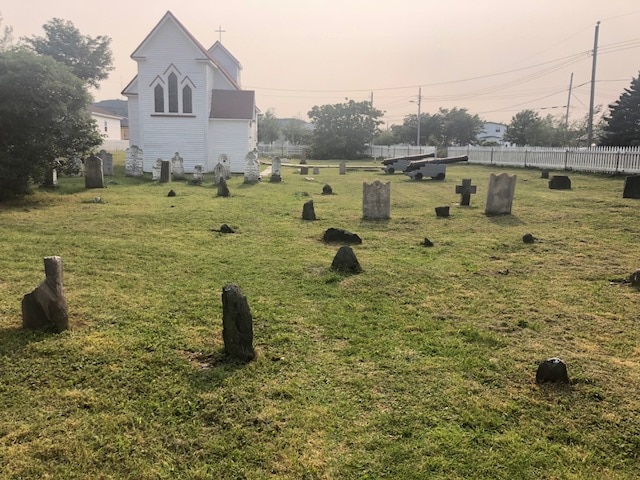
{"x": 158, "y": 98}
{"x": 187, "y": 106}
{"x": 173, "y": 93}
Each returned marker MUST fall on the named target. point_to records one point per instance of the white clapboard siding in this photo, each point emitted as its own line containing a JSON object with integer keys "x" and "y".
{"x": 229, "y": 137}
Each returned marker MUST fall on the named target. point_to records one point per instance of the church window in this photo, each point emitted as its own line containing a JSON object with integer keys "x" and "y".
{"x": 173, "y": 93}
{"x": 186, "y": 100}
{"x": 158, "y": 97}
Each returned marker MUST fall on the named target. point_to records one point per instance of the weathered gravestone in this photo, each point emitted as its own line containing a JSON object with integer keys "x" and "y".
{"x": 177, "y": 167}
{"x": 339, "y": 235}
{"x": 219, "y": 173}
{"x": 327, "y": 190}
{"x": 172, "y": 193}
{"x": 237, "y": 324}
{"x": 316, "y": 171}
{"x": 544, "y": 174}
{"x": 304, "y": 170}
{"x": 528, "y": 238}
{"x": 93, "y": 175}
{"x": 346, "y": 261}
{"x": 156, "y": 169}
{"x": 46, "y": 306}
{"x": 631, "y": 187}
{"x": 252, "y": 168}
{"x": 308, "y": 212}
{"x": 634, "y": 279}
{"x": 343, "y": 168}
{"x": 165, "y": 171}
{"x": 226, "y": 163}
{"x": 376, "y": 200}
{"x": 465, "y": 190}
{"x": 133, "y": 163}
{"x": 197, "y": 177}
{"x": 442, "y": 212}
{"x": 560, "y": 182}
{"x": 276, "y": 170}
{"x": 107, "y": 163}
{"x": 500, "y": 194}
{"x": 552, "y": 370}
{"x": 223, "y": 190}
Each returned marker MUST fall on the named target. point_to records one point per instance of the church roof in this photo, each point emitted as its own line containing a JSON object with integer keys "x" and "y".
{"x": 232, "y": 104}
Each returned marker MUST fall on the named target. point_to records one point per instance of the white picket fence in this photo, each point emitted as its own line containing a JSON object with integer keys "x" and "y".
{"x": 378, "y": 151}
{"x": 595, "y": 159}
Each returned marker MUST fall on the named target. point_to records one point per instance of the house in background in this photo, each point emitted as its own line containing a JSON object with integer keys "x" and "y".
{"x": 492, "y": 132}
{"x": 118, "y": 108}
{"x": 188, "y": 99}
{"x": 108, "y": 123}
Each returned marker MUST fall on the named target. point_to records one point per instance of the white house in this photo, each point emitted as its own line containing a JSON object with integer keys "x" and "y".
{"x": 108, "y": 123}
{"x": 188, "y": 99}
{"x": 492, "y": 132}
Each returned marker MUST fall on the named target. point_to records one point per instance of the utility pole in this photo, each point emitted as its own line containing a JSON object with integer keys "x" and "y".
{"x": 566, "y": 117}
{"x": 419, "y": 103}
{"x": 593, "y": 86}
{"x": 372, "y": 134}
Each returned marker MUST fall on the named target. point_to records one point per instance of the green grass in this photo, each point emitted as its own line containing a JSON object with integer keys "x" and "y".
{"x": 423, "y": 366}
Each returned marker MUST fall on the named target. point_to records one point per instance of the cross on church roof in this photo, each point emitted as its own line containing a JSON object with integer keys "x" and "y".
{"x": 220, "y": 31}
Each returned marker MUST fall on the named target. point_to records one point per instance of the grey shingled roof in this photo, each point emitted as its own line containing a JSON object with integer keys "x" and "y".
{"x": 232, "y": 104}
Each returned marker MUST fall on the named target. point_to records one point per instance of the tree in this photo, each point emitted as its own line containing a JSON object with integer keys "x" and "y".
{"x": 621, "y": 126}
{"x": 342, "y": 130}
{"x": 89, "y": 58}
{"x": 6, "y": 37}
{"x": 268, "y": 128}
{"x": 459, "y": 127}
{"x": 43, "y": 116}
{"x": 385, "y": 137}
{"x": 430, "y": 129}
{"x": 296, "y": 132}
{"x": 525, "y": 128}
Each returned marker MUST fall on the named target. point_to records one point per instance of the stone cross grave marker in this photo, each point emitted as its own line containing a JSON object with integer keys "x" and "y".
{"x": 107, "y": 163}
{"x": 252, "y": 168}
{"x": 134, "y": 162}
{"x": 465, "y": 190}
{"x": 93, "y": 175}
{"x": 376, "y": 200}
{"x": 165, "y": 171}
{"x": 46, "y": 306}
{"x": 500, "y": 194}
{"x": 177, "y": 167}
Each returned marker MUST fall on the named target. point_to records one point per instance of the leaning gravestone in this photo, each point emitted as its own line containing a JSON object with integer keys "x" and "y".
{"x": 177, "y": 167}
{"x": 223, "y": 190}
{"x": 560, "y": 182}
{"x": 197, "y": 177}
{"x": 376, "y": 200}
{"x": 237, "y": 324}
{"x": 252, "y": 168}
{"x": 93, "y": 175}
{"x": 133, "y": 164}
{"x": 276, "y": 170}
{"x": 346, "y": 261}
{"x": 46, "y": 306}
{"x": 500, "y": 194}
{"x": 308, "y": 212}
{"x": 155, "y": 171}
{"x": 219, "y": 173}
{"x": 107, "y": 163}
{"x": 316, "y": 171}
{"x": 631, "y": 187}
{"x": 165, "y": 171}
{"x": 343, "y": 168}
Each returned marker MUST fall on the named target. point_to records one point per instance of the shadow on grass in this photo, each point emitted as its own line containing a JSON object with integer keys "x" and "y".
{"x": 214, "y": 368}
{"x": 15, "y": 339}
{"x": 505, "y": 220}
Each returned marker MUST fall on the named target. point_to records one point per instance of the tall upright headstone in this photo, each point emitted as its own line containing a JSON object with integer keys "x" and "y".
{"x": 276, "y": 170}
{"x": 46, "y": 306}
{"x": 155, "y": 172}
{"x": 304, "y": 170}
{"x": 237, "y": 324}
{"x": 252, "y": 168}
{"x": 50, "y": 178}
{"x": 219, "y": 173}
{"x": 134, "y": 162}
{"x": 500, "y": 194}
{"x": 226, "y": 163}
{"x": 93, "y": 175}
{"x": 343, "y": 168}
{"x": 177, "y": 167}
{"x": 316, "y": 171}
{"x": 107, "y": 163}
{"x": 165, "y": 171}
{"x": 376, "y": 200}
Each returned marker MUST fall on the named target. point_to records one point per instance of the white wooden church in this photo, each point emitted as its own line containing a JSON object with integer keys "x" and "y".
{"x": 188, "y": 99}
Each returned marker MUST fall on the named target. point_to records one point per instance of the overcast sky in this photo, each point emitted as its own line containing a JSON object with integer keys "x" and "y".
{"x": 300, "y": 53}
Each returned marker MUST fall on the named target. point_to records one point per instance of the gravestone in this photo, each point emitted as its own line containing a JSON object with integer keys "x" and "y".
{"x": 544, "y": 174}
{"x": 133, "y": 163}
{"x": 223, "y": 190}
{"x": 339, "y": 235}
{"x": 197, "y": 178}
{"x": 465, "y": 190}
{"x": 308, "y": 212}
{"x": 316, "y": 171}
{"x": 343, "y": 168}
{"x": 442, "y": 211}
{"x": 156, "y": 169}
{"x": 172, "y": 193}
{"x": 304, "y": 170}
{"x": 376, "y": 200}
{"x": 552, "y": 370}
{"x": 226, "y": 163}
{"x": 50, "y": 178}
{"x": 252, "y": 168}
{"x": 327, "y": 190}
{"x": 426, "y": 242}
{"x": 107, "y": 163}
{"x": 177, "y": 167}
{"x": 560, "y": 182}
{"x": 46, "y": 306}
{"x": 93, "y": 175}
{"x": 219, "y": 173}
{"x": 500, "y": 194}
{"x": 634, "y": 278}
{"x": 528, "y": 238}
{"x": 276, "y": 170}
{"x": 237, "y": 324}
{"x": 346, "y": 261}
{"x": 165, "y": 171}
{"x": 631, "y": 187}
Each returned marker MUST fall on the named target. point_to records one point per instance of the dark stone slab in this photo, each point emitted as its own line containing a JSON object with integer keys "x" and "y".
{"x": 308, "y": 212}
{"x": 275, "y": 178}
{"x": 426, "y": 242}
{"x": 338, "y": 235}
{"x": 237, "y": 324}
{"x": 560, "y": 182}
{"x": 544, "y": 174}
{"x": 442, "y": 211}
{"x": 171, "y": 193}
{"x": 552, "y": 370}
{"x": 327, "y": 190}
{"x": 345, "y": 261}
{"x": 165, "y": 171}
{"x": 46, "y": 307}
{"x": 528, "y": 238}
{"x": 631, "y": 187}
{"x": 634, "y": 278}
{"x": 223, "y": 190}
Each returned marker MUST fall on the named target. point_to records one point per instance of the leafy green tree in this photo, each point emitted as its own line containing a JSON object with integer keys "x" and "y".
{"x": 525, "y": 128}
{"x": 268, "y": 128}
{"x": 43, "y": 116}
{"x": 296, "y": 132}
{"x": 621, "y": 126}
{"x": 89, "y": 58}
{"x": 459, "y": 127}
{"x": 343, "y": 130}
{"x": 430, "y": 129}
{"x": 6, "y": 37}
{"x": 385, "y": 137}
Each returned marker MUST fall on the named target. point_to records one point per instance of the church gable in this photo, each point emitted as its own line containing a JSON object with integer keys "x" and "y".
{"x": 225, "y": 59}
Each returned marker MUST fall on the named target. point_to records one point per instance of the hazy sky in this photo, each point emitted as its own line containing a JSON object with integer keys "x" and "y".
{"x": 300, "y": 53}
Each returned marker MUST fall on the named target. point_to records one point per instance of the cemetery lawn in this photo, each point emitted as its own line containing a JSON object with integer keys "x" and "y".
{"x": 422, "y": 366}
